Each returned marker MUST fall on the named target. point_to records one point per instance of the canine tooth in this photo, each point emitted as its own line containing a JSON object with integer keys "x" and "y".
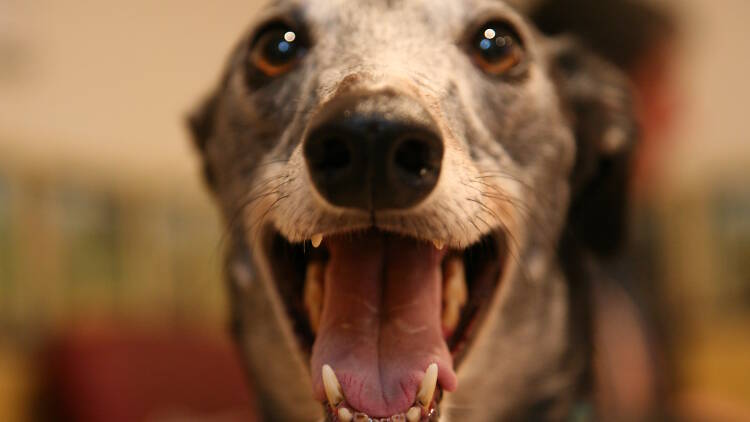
{"x": 414, "y": 414}
{"x": 439, "y": 244}
{"x": 455, "y": 293}
{"x": 313, "y": 294}
{"x": 427, "y": 388}
{"x": 451, "y": 316}
{"x": 332, "y": 386}
{"x": 345, "y": 415}
{"x": 455, "y": 280}
{"x": 316, "y": 240}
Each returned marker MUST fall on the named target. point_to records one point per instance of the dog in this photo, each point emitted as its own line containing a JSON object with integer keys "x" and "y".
{"x": 417, "y": 194}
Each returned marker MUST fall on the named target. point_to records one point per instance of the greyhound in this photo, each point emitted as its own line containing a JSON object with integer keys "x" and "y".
{"x": 417, "y": 194}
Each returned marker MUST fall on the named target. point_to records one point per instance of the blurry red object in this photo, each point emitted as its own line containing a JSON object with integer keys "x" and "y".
{"x": 132, "y": 375}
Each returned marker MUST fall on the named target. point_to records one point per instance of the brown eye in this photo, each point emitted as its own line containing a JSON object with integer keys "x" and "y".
{"x": 277, "y": 49}
{"x": 496, "y": 48}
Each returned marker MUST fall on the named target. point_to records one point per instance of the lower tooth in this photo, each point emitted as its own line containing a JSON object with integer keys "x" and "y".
{"x": 414, "y": 414}
{"x": 313, "y": 294}
{"x": 361, "y": 417}
{"x": 331, "y": 385}
{"x": 427, "y": 388}
{"x": 398, "y": 418}
{"x": 345, "y": 415}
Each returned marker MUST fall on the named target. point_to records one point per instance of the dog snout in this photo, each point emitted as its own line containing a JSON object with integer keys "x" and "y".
{"x": 376, "y": 153}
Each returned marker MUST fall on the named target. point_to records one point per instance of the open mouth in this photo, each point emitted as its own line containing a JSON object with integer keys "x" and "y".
{"x": 385, "y": 319}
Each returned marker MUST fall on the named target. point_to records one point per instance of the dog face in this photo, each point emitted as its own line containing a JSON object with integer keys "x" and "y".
{"x": 397, "y": 175}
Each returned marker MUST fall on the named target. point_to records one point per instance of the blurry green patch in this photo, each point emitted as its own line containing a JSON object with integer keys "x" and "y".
{"x": 6, "y": 258}
{"x": 731, "y": 228}
{"x": 88, "y": 222}
{"x": 73, "y": 252}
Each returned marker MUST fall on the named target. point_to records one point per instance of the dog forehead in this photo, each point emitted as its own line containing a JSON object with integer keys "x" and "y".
{"x": 359, "y": 14}
{"x": 353, "y": 13}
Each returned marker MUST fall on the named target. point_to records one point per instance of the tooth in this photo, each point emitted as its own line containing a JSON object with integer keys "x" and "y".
{"x": 316, "y": 240}
{"x": 361, "y": 417}
{"x": 455, "y": 280}
{"x": 345, "y": 415}
{"x": 451, "y": 316}
{"x": 439, "y": 244}
{"x": 455, "y": 293}
{"x": 398, "y": 418}
{"x": 332, "y": 386}
{"x": 427, "y": 388}
{"x": 414, "y": 414}
{"x": 313, "y": 295}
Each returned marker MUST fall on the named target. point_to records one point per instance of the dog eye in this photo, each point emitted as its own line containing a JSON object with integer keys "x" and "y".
{"x": 496, "y": 48}
{"x": 277, "y": 49}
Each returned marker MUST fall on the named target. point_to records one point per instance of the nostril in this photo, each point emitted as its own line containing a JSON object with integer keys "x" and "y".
{"x": 418, "y": 158}
{"x": 329, "y": 154}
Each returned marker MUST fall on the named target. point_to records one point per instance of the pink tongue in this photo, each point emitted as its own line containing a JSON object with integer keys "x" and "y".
{"x": 380, "y": 328}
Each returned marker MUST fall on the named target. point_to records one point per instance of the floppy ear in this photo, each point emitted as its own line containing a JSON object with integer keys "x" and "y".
{"x": 201, "y": 125}
{"x": 598, "y": 101}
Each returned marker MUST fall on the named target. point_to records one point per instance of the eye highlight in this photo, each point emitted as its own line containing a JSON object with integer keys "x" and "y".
{"x": 495, "y": 48}
{"x": 277, "y": 49}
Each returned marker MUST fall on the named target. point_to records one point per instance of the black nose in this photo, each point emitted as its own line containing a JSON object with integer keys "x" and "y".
{"x": 370, "y": 162}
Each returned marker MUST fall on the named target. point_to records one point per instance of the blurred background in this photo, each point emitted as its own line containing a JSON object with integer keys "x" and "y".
{"x": 111, "y": 298}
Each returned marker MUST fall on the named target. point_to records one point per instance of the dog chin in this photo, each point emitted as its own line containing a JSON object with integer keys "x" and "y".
{"x": 385, "y": 319}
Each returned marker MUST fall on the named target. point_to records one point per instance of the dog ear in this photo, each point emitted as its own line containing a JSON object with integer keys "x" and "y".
{"x": 201, "y": 125}
{"x": 598, "y": 100}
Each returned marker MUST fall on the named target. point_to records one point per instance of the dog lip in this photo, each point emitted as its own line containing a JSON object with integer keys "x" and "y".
{"x": 316, "y": 239}
{"x": 342, "y": 413}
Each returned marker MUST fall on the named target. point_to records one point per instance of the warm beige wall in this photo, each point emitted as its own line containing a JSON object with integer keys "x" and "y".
{"x": 104, "y": 85}
{"x": 713, "y": 134}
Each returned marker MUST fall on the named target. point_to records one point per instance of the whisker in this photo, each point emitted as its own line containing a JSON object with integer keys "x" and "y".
{"x": 248, "y": 200}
